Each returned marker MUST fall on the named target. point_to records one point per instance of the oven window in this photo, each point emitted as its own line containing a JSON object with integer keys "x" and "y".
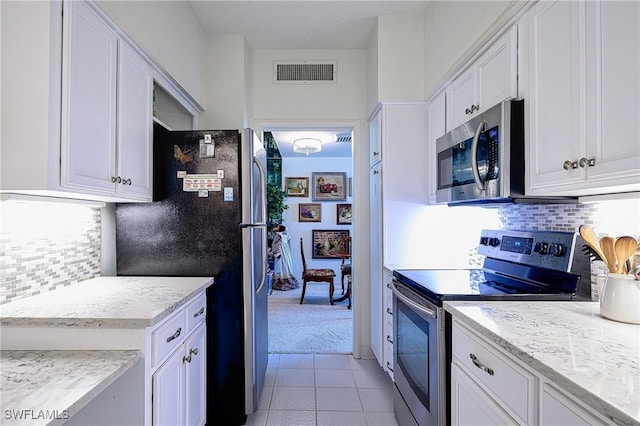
{"x": 412, "y": 343}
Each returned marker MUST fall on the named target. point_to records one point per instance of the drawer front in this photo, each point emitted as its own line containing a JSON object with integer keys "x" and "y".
{"x": 513, "y": 387}
{"x": 167, "y": 337}
{"x": 196, "y": 312}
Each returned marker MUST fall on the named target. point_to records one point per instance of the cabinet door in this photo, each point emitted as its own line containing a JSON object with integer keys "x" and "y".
{"x": 556, "y": 95}
{"x": 195, "y": 378}
{"x": 88, "y": 101}
{"x": 613, "y": 71}
{"x": 376, "y": 261}
{"x": 461, "y": 96}
{"x": 556, "y": 409}
{"x": 375, "y": 139}
{"x": 168, "y": 391}
{"x": 470, "y": 405}
{"x": 436, "y": 127}
{"x": 497, "y": 71}
{"x": 135, "y": 100}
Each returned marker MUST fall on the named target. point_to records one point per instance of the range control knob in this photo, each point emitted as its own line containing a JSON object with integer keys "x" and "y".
{"x": 541, "y": 248}
{"x": 484, "y": 241}
{"x": 494, "y": 242}
{"x": 556, "y": 249}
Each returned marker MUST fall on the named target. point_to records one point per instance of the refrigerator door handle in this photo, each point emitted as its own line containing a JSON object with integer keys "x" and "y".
{"x": 263, "y": 199}
{"x": 253, "y": 225}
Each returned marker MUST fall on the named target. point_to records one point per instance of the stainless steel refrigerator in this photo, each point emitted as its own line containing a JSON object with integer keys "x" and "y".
{"x": 208, "y": 219}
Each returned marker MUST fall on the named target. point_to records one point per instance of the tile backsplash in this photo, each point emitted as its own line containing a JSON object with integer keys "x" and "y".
{"x": 45, "y": 245}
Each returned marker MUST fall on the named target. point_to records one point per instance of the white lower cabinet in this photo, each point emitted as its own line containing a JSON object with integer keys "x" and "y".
{"x": 489, "y": 386}
{"x": 179, "y": 384}
{"x": 177, "y": 368}
{"x": 470, "y": 405}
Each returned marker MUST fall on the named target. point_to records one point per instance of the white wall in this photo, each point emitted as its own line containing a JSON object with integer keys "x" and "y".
{"x": 168, "y": 32}
{"x": 450, "y": 29}
{"x": 311, "y": 102}
{"x": 303, "y": 167}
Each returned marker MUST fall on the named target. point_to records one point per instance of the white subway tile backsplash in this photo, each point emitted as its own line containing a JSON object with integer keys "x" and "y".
{"x": 45, "y": 246}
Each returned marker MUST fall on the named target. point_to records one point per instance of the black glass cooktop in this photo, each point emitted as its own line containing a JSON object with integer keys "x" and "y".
{"x": 487, "y": 284}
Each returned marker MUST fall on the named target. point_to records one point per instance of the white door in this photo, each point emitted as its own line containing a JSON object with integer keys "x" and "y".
{"x": 168, "y": 391}
{"x": 135, "y": 125}
{"x": 556, "y": 95}
{"x": 88, "y": 101}
{"x": 195, "y": 378}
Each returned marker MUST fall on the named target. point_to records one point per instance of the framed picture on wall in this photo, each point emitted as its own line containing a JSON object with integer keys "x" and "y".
{"x": 343, "y": 214}
{"x": 309, "y": 212}
{"x": 329, "y": 186}
{"x": 297, "y": 186}
{"x": 328, "y": 244}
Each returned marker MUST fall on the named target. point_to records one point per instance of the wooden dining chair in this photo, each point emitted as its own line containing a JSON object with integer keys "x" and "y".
{"x": 315, "y": 275}
{"x": 345, "y": 255}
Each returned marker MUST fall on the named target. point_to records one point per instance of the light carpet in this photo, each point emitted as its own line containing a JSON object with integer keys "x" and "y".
{"x": 313, "y": 327}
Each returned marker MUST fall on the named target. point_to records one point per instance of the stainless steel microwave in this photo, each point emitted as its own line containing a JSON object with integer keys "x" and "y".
{"x": 482, "y": 160}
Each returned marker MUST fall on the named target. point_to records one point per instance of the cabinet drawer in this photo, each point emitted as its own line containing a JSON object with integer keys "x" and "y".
{"x": 509, "y": 384}
{"x": 167, "y": 337}
{"x": 196, "y": 312}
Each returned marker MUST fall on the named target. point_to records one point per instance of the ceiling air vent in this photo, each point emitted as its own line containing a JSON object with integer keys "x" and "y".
{"x": 305, "y": 72}
{"x": 343, "y": 137}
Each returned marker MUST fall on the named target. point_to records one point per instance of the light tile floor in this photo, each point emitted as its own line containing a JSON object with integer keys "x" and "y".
{"x": 324, "y": 390}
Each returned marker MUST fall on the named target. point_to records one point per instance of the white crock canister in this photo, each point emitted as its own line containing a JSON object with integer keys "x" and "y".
{"x": 620, "y": 299}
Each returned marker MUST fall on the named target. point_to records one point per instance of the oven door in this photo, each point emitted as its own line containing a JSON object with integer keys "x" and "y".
{"x": 419, "y": 358}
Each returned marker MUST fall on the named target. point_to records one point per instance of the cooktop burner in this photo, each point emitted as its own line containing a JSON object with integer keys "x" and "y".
{"x": 519, "y": 265}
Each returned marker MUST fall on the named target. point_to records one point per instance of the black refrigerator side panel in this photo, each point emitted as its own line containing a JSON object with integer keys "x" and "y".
{"x": 182, "y": 233}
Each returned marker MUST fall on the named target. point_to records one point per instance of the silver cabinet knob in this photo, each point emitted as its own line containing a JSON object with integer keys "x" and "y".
{"x": 586, "y": 162}
{"x": 569, "y": 165}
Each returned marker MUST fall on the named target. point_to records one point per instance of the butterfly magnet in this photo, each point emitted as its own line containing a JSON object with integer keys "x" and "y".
{"x": 182, "y": 156}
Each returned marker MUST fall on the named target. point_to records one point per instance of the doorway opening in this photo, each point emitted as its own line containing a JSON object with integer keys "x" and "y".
{"x": 314, "y": 326}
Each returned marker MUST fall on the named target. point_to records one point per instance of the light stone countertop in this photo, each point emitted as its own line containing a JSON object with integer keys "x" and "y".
{"x": 109, "y": 302}
{"x": 594, "y": 359}
{"x": 48, "y": 387}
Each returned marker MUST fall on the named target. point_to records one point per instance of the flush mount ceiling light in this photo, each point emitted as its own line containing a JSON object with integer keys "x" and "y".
{"x": 307, "y": 145}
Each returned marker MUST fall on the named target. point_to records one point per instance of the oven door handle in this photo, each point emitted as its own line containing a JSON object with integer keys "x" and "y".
{"x": 474, "y": 155}
{"x": 416, "y": 306}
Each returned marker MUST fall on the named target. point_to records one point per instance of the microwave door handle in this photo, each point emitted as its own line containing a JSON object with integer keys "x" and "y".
{"x": 474, "y": 155}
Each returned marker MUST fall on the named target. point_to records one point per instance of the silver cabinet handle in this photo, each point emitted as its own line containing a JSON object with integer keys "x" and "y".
{"x": 175, "y": 335}
{"x": 389, "y": 339}
{"x": 194, "y": 351}
{"x": 375, "y": 153}
{"x": 388, "y": 285}
{"x": 200, "y": 312}
{"x": 389, "y": 311}
{"x": 586, "y": 162}
{"x": 569, "y": 165}
{"x": 187, "y": 358}
{"x": 116, "y": 179}
{"x": 126, "y": 181}
{"x": 389, "y": 367}
{"x": 480, "y": 365}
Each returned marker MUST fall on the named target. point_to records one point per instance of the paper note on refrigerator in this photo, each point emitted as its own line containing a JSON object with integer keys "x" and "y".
{"x": 193, "y": 183}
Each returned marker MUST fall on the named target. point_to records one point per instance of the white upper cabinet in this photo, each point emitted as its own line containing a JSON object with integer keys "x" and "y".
{"x": 583, "y": 97}
{"x": 375, "y": 141}
{"x": 106, "y": 111}
{"x": 490, "y": 79}
{"x": 89, "y": 69}
{"x": 135, "y": 128}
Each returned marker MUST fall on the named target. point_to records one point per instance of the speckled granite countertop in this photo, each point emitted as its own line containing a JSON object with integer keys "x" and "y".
{"x": 48, "y": 387}
{"x": 595, "y": 359}
{"x": 113, "y": 302}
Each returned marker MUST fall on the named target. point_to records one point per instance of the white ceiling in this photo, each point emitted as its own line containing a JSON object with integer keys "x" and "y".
{"x": 301, "y": 24}
{"x": 330, "y": 147}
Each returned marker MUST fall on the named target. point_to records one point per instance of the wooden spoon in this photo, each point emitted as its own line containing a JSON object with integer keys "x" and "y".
{"x": 608, "y": 247}
{"x": 588, "y": 234}
{"x": 625, "y": 248}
